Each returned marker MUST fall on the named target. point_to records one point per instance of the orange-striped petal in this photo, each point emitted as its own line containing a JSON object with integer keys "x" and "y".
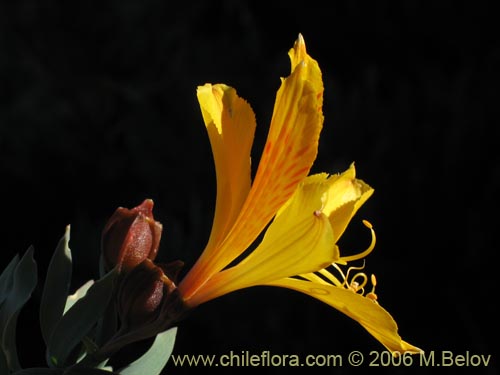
{"x": 289, "y": 152}
{"x": 230, "y": 124}
{"x": 299, "y": 240}
{"x": 376, "y": 320}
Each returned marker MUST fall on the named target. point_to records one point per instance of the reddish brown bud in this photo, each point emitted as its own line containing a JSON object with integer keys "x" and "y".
{"x": 147, "y": 302}
{"x": 141, "y": 293}
{"x": 130, "y": 236}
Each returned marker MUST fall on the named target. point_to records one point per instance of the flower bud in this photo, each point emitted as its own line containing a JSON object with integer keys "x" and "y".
{"x": 130, "y": 236}
{"x": 141, "y": 293}
{"x": 147, "y": 303}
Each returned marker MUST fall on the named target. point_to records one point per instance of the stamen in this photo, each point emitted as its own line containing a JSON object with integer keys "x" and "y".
{"x": 363, "y": 254}
{"x": 336, "y": 266}
{"x": 355, "y": 285}
{"x": 371, "y": 295}
{"x": 330, "y": 277}
{"x": 349, "y": 270}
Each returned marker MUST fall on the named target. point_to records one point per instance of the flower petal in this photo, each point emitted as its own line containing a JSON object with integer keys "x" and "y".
{"x": 292, "y": 142}
{"x": 377, "y": 321}
{"x": 289, "y": 152}
{"x": 344, "y": 197}
{"x": 299, "y": 240}
{"x": 230, "y": 124}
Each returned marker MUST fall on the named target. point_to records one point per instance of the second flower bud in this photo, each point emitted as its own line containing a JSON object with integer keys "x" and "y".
{"x": 130, "y": 236}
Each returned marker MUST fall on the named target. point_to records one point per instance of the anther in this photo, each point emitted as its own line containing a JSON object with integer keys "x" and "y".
{"x": 346, "y": 277}
{"x": 354, "y": 286}
{"x": 371, "y": 295}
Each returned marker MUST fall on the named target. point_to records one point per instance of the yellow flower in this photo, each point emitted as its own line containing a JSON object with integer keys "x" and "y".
{"x": 310, "y": 212}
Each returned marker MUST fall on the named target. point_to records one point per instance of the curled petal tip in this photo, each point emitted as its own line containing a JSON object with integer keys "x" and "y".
{"x": 298, "y": 53}
{"x": 300, "y": 45}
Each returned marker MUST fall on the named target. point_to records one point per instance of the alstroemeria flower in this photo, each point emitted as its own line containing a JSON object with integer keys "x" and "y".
{"x": 310, "y": 212}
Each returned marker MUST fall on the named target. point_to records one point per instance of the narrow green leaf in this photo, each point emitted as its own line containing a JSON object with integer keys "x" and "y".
{"x": 56, "y": 288}
{"x": 24, "y": 281}
{"x": 6, "y": 278}
{"x": 155, "y": 359}
{"x": 79, "y": 320}
{"x": 107, "y": 325}
{"x": 80, "y": 292}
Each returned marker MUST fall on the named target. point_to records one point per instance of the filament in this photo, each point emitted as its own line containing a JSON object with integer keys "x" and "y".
{"x": 370, "y": 248}
{"x": 330, "y": 277}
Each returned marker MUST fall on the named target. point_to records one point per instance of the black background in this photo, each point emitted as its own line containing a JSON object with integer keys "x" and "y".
{"x": 98, "y": 110}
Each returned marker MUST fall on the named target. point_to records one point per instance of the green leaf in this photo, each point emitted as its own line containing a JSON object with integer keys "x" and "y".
{"x": 153, "y": 361}
{"x": 108, "y": 323}
{"x": 6, "y": 278}
{"x": 56, "y": 288}
{"x": 80, "y": 292}
{"x": 24, "y": 280}
{"x": 79, "y": 320}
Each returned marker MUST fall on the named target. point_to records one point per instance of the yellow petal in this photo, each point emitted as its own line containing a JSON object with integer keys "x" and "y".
{"x": 230, "y": 124}
{"x": 292, "y": 142}
{"x": 344, "y": 197}
{"x": 299, "y": 240}
{"x": 289, "y": 152}
{"x": 377, "y": 321}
